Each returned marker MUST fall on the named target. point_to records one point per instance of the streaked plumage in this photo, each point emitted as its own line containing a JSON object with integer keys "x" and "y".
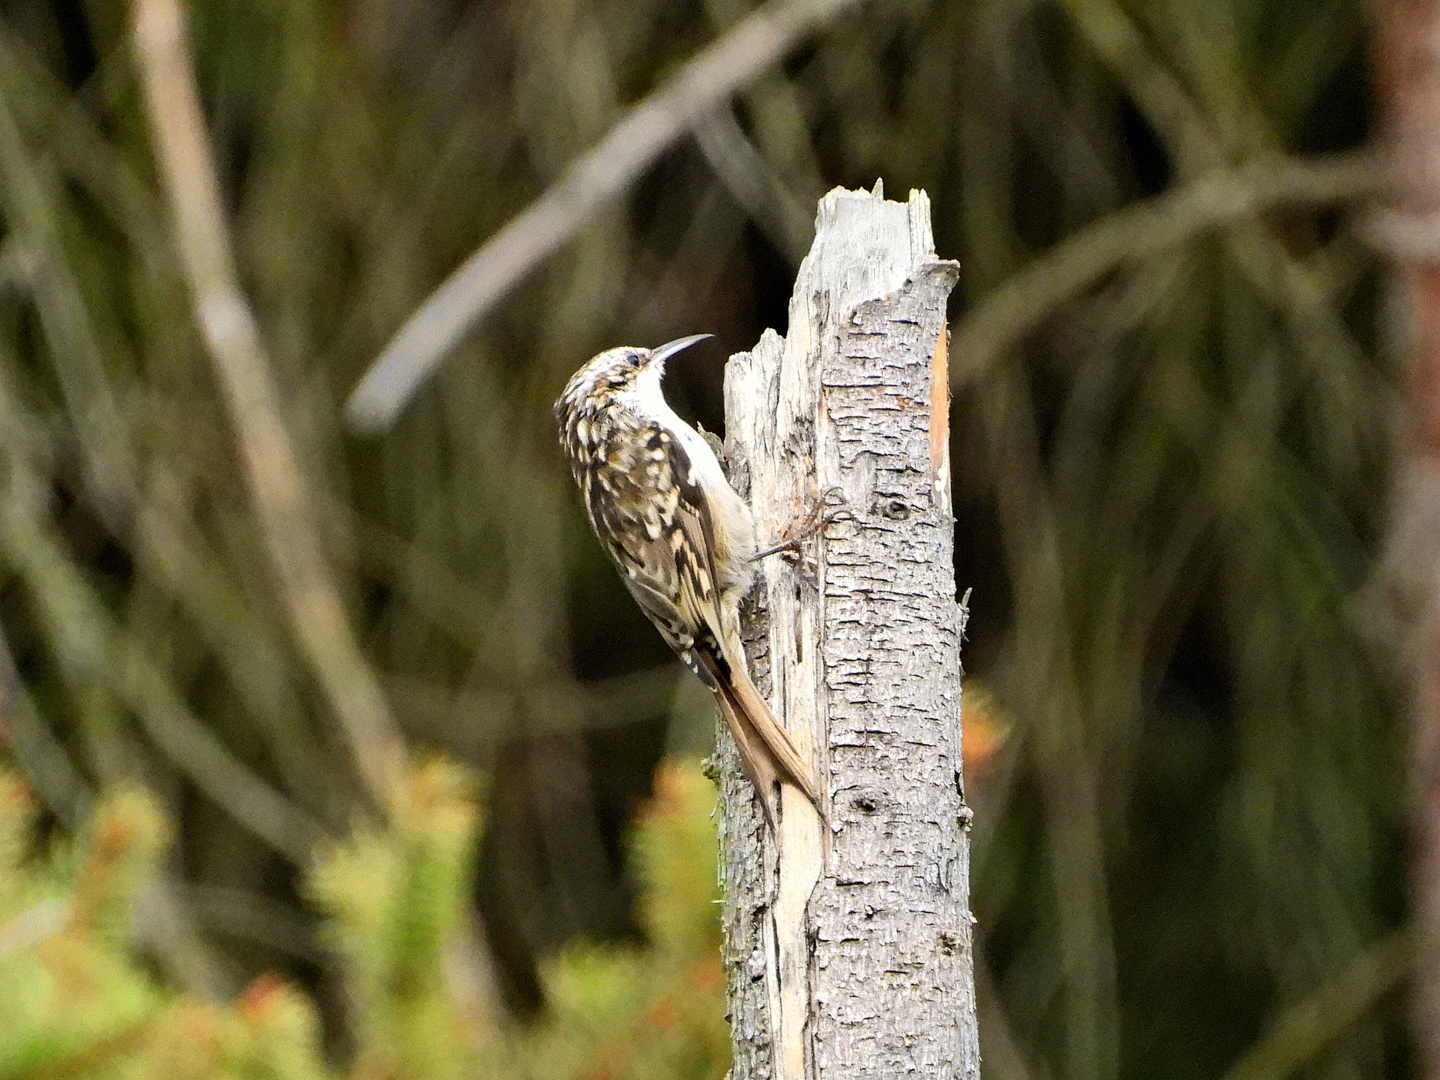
{"x": 681, "y": 537}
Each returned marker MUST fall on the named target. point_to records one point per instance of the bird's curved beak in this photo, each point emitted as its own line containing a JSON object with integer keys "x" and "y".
{"x": 669, "y": 349}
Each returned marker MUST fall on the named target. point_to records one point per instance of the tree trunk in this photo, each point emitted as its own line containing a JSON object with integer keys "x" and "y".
{"x": 848, "y": 945}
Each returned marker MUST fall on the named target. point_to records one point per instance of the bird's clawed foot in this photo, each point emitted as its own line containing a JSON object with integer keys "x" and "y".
{"x": 829, "y": 509}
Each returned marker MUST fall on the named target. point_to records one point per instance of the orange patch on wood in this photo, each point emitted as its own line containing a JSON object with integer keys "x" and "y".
{"x": 940, "y": 416}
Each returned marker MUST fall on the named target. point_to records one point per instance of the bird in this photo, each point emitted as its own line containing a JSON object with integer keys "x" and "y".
{"x": 682, "y": 538}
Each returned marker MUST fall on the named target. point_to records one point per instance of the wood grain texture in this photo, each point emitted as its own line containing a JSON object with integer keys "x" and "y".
{"x": 848, "y": 948}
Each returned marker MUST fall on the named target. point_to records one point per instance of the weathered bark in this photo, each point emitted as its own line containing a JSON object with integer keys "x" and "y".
{"x": 848, "y": 946}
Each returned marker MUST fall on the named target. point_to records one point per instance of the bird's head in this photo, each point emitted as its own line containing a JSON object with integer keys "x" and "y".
{"x": 626, "y": 372}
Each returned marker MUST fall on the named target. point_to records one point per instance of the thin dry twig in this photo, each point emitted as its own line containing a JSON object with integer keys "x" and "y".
{"x": 595, "y": 178}
{"x": 277, "y": 487}
{"x": 753, "y": 184}
{"x": 1026, "y": 299}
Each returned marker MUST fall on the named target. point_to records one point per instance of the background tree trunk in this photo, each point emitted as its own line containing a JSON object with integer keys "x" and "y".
{"x": 1407, "y": 88}
{"x": 848, "y": 948}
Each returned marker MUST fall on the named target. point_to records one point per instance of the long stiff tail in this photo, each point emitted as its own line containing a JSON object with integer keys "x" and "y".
{"x": 766, "y": 750}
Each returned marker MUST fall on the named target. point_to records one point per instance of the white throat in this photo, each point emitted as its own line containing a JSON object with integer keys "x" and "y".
{"x": 647, "y": 399}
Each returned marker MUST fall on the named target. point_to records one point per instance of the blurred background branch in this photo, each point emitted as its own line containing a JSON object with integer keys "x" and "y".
{"x": 594, "y": 179}
{"x": 1141, "y": 231}
{"x": 283, "y": 503}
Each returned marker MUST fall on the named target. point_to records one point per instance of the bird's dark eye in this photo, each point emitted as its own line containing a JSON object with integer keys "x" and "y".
{"x": 633, "y": 359}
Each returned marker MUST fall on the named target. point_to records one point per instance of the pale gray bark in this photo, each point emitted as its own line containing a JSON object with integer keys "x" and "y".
{"x": 848, "y": 944}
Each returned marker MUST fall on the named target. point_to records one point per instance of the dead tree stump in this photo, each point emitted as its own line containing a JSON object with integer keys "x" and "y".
{"x": 848, "y": 945}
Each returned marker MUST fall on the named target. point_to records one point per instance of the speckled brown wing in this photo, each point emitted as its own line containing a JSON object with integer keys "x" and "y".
{"x": 649, "y": 516}
{"x": 655, "y": 523}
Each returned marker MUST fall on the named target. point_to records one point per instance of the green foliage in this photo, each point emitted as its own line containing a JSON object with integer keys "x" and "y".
{"x": 657, "y": 1011}
{"x": 395, "y": 898}
{"x": 79, "y": 1001}
{"x": 70, "y": 987}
